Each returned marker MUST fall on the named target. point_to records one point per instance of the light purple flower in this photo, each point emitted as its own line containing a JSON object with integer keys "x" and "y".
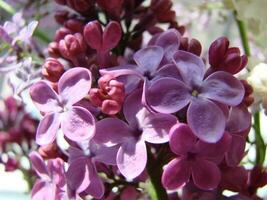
{"x": 204, "y": 115}
{"x": 82, "y": 175}
{"x": 142, "y": 127}
{"x": 51, "y": 182}
{"x": 194, "y": 158}
{"x": 76, "y": 122}
{"x": 149, "y": 61}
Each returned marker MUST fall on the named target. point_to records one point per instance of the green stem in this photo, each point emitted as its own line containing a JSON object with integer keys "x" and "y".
{"x": 37, "y": 33}
{"x": 154, "y": 169}
{"x": 260, "y": 145}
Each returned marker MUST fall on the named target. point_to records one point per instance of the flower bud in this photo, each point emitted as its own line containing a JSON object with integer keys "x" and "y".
{"x": 110, "y": 107}
{"x": 52, "y": 69}
{"x": 80, "y": 5}
{"x": 75, "y": 25}
{"x": 61, "y": 33}
{"x": 72, "y": 46}
{"x": 53, "y": 50}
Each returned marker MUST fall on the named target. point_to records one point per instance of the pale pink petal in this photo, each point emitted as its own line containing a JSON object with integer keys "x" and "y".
{"x": 206, "y": 175}
{"x": 132, "y": 158}
{"x": 38, "y": 165}
{"x": 182, "y": 139}
{"x": 168, "y": 95}
{"x": 176, "y": 174}
{"x": 224, "y": 88}
{"x": 47, "y": 129}
{"x": 206, "y": 120}
{"x": 43, "y": 190}
{"x": 44, "y": 97}
{"x": 74, "y": 85}
{"x": 78, "y": 124}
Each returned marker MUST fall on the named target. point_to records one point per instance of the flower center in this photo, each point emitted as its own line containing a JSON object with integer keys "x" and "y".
{"x": 195, "y": 93}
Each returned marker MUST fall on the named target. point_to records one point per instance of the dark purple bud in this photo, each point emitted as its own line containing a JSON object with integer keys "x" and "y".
{"x": 61, "y": 16}
{"x": 217, "y": 51}
{"x": 61, "y": 33}
{"x": 74, "y": 25}
{"x": 53, "y": 49}
{"x": 93, "y": 34}
{"x": 80, "y": 5}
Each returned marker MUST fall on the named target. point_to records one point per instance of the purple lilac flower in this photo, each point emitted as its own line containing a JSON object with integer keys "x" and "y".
{"x": 204, "y": 115}
{"x": 194, "y": 158}
{"x": 82, "y": 175}
{"x": 150, "y": 61}
{"x": 142, "y": 127}
{"x": 76, "y": 122}
{"x": 51, "y": 182}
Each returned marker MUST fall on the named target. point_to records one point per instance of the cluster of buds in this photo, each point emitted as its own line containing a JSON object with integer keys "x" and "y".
{"x": 109, "y": 96}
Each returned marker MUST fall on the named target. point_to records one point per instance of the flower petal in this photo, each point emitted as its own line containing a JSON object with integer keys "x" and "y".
{"x": 132, "y": 158}
{"x": 74, "y": 85}
{"x": 236, "y": 151}
{"x": 111, "y": 131}
{"x": 169, "y": 70}
{"x": 149, "y": 58}
{"x": 182, "y": 139}
{"x": 206, "y": 120}
{"x": 156, "y": 126}
{"x": 168, "y": 95}
{"x": 191, "y": 67}
{"x": 206, "y": 175}
{"x": 176, "y": 174}
{"x": 106, "y": 154}
{"x": 224, "y": 88}
{"x": 56, "y": 171}
{"x": 239, "y": 119}
{"x": 78, "y": 124}
{"x": 38, "y": 165}
{"x": 43, "y": 190}
{"x": 47, "y": 129}
{"x": 96, "y": 187}
{"x": 78, "y": 175}
{"x": 44, "y": 97}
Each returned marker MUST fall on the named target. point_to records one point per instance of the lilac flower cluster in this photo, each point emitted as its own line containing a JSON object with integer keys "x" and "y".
{"x": 132, "y": 111}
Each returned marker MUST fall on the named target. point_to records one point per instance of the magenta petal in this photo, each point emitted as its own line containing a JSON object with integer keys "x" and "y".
{"x": 93, "y": 34}
{"x": 78, "y": 175}
{"x": 214, "y": 151}
{"x": 111, "y": 36}
{"x": 206, "y": 175}
{"x": 206, "y": 120}
{"x": 106, "y": 154}
{"x": 149, "y": 58}
{"x": 38, "y": 165}
{"x": 132, "y": 158}
{"x": 168, "y": 95}
{"x": 44, "y": 97}
{"x": 191, "y": 67}
{"x": 236, "y": 152}
{"x": 239, "y": 119}
{"x": 176, "y": 174}
{"x": 156, "y": 126}
{"x": 224, "y": 88}
{"x": 182, "y": 139}
{"x": 78, "y": 124}
{"x": 96, "y": 187}
{"x": 47, "y": 129}
{"x": 74, "y": 85}
{"x": 111, "y": 131}
{"x": 43, "y": 190}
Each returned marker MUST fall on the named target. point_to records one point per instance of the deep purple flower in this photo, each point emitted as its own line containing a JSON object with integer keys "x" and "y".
{"x": 77, "y": 123}
{"x": 82, "y": 175}
{"x": 204, "y": 116}
{"x": 142, "y": 127}
{"x": 51, "y": 182}
{"x": 195, "y": 158}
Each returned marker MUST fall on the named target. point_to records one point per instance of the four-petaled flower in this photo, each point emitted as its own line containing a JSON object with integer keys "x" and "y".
{"x": 76, "y": 122}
